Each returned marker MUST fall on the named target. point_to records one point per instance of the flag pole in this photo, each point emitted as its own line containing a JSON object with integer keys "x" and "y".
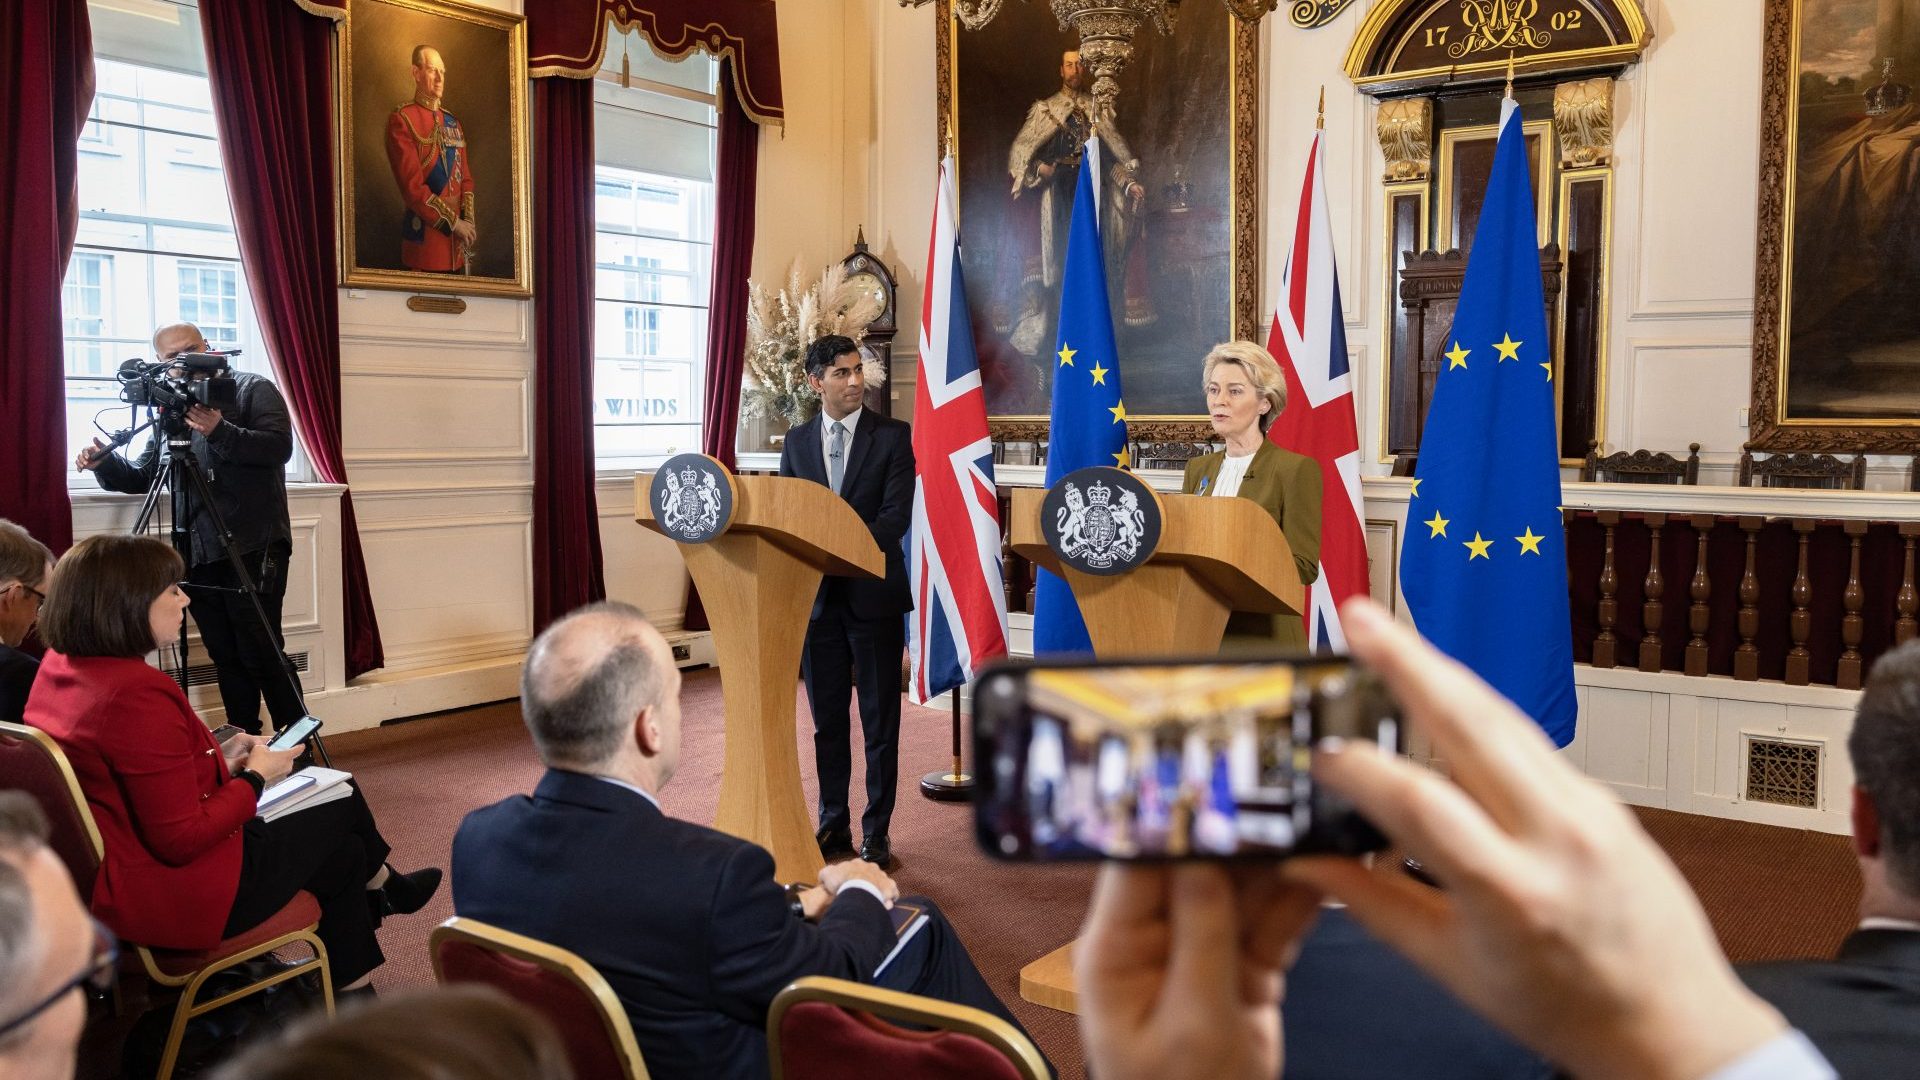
{"x": 955, "y": 786}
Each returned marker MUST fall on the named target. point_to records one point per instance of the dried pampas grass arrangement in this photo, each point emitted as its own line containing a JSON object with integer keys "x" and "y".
{"x": 781, "y": 325}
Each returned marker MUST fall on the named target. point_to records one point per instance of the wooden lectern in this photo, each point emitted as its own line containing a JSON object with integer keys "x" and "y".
{"x": 1215, "y": 556}
{"x": 758, "y": 580}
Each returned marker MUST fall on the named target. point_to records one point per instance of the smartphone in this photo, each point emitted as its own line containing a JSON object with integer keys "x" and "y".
{"x": 224, "y": 732}
{"x": 295, "y": 733}
{"x": 1199, "y": 759}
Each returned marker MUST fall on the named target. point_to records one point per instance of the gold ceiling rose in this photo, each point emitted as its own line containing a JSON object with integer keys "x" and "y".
{"x": 1106, "y": 28}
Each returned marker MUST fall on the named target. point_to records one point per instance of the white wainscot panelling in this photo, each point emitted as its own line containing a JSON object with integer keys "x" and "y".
{"x": 643, "y": 568}
{"x": 1621, "y": 741}
{"x": 435, "y": 415}
{"x": 1383, "y": 565}
{"x": 1694, "y": 187}
{"x": 449, "y": 590}
{"x": 1719, "y": 768}
{"x": 1685, "y": 391}
{"x": 376, "y": 317}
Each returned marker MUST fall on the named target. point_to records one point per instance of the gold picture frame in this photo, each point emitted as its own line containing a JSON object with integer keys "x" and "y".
{"x": 1237, "y": 152}
{"x": 1812, "y": 106}
{"x": 384, "y": 240}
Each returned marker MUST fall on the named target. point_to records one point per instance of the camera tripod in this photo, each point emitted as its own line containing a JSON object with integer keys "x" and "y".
{"x": 178, "y": 475}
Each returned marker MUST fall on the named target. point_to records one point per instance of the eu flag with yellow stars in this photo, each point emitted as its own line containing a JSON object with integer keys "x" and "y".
{"x": 1088, "y": 419}
{"x": 1484, "y": 563}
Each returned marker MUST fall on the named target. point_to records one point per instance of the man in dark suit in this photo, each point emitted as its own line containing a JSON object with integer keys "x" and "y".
{"x": 686, "y": 923}
{"x": 25, "y": 566}
{"x": 1862, "y": 1008}
{"x": 1357, "y": 1010}
{"x": 858, "y": 630}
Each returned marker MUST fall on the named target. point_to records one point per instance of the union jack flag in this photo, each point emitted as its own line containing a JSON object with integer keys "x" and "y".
{"x": 959, "y": 618}
{"x": 1309, "y": 338}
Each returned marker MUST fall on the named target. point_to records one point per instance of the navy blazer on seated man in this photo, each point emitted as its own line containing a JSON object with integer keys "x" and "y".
{"x": 686, "y": 923}
{"x": 1862, "y": 1008}
{"x": 1357, "y": 1010}
{"x": 858, "y": 628}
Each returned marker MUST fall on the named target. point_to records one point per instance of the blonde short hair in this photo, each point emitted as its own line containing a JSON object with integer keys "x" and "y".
{"x": 1263, "y": 371}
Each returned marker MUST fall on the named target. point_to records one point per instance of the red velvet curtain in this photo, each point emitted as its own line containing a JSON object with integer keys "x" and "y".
{"x": 566, "y": 523}
{"x": 271, "y": 67}
{"x": 46, "y": 88}
{"x": 569, "y": 37}
{"x": 735, "y": 182}
{"x": 733, "y": 197}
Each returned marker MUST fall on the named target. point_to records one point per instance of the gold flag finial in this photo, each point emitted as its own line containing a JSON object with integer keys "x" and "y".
{"x": 1320, "y": 118}
{"x": 1509, "y": 73}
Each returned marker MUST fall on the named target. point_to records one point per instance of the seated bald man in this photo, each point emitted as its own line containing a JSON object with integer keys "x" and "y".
{"x": 687, "y": 924}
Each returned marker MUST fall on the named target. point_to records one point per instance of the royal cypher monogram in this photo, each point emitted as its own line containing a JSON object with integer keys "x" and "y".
{"x": 1499, "y": 26}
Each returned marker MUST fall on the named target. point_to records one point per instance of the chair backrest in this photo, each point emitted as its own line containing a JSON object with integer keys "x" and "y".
{"x": 1641, "y": 466}
{"x": 1167, "y": 455}
{"x": 565, "y": 989}
{"x": 31, "y": 761}
{"x": 821, "y": 1027}
{"x": 1819, "y": 471}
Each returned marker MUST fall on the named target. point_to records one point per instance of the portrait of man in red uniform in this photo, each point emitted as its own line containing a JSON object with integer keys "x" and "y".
{"x": 427, "y": 149}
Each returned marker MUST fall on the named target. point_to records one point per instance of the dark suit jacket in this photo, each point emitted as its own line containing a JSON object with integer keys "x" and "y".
{"x": 17, "y": 670}
{"x": 878, "y": 483}
{"x": 686, "y": 923}
{"x": 1287, "y": 486}
{"x": 1862, "y": 1008}
{"x": 245, "y": 463}
{"x": 1356, "y": 1010}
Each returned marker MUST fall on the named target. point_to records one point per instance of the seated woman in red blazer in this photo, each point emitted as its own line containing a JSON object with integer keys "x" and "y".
{"x": 187, "y": 861}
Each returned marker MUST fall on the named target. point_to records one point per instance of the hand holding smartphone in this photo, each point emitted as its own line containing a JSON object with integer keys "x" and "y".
{"x": 1202, "y": 759}
{"x": 295, "y": 733}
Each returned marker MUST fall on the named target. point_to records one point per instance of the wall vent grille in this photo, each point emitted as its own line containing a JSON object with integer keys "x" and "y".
{"x": 206, "y": 675}
{"x": 1783, "y": 772}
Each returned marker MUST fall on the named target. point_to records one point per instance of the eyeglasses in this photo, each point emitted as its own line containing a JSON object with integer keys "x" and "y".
{"x": 96, "y": 976}
{"x": 38, "y": 596}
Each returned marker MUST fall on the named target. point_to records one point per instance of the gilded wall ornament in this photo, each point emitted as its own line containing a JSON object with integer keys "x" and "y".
{"x": 1405, "y": 129}
{"x": 1308, "y": 14}
{"x": 1583, "y": 115}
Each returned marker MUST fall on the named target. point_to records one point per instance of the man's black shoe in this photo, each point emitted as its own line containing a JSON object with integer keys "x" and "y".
{"x": 877, "y": 851}
{"x": 835, "y": 844}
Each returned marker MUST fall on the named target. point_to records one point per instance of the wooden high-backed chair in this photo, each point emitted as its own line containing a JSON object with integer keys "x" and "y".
{"x": 1804, "y": 471}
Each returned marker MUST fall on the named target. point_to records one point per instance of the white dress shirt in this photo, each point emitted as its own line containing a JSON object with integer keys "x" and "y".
{"x": 852, "y": 421}
{"x": 1787, "y": 1056}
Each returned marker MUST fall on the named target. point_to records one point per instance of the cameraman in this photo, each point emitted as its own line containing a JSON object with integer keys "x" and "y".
{"x": 244, "y": 459}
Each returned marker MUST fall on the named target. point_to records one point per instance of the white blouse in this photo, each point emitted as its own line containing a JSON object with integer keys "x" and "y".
{"x": 1232, "y": 471}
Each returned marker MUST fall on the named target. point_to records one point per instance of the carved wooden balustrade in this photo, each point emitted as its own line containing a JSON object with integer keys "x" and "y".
{"x": 1802, "y": 600}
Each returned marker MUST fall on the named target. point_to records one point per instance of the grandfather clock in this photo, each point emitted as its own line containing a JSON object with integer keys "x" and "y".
{"x": 872, "y": 275}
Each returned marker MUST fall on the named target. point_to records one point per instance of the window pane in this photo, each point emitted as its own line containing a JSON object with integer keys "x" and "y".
{"x": 156, "y": 243}
{"x": 652, "y": 274}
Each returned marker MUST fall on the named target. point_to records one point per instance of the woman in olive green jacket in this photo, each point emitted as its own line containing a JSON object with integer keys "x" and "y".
{"x": 1245, "y": 393}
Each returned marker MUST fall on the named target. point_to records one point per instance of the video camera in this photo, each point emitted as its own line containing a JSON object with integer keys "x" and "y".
{"x": 172, "y": 386}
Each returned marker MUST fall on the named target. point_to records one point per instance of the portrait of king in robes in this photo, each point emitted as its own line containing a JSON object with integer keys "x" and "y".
{"x": 1021, "y": 106}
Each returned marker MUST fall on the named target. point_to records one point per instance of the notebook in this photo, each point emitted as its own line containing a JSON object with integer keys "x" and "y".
{"x": 313, "y": 786}
{"x": 907, "y": 921}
